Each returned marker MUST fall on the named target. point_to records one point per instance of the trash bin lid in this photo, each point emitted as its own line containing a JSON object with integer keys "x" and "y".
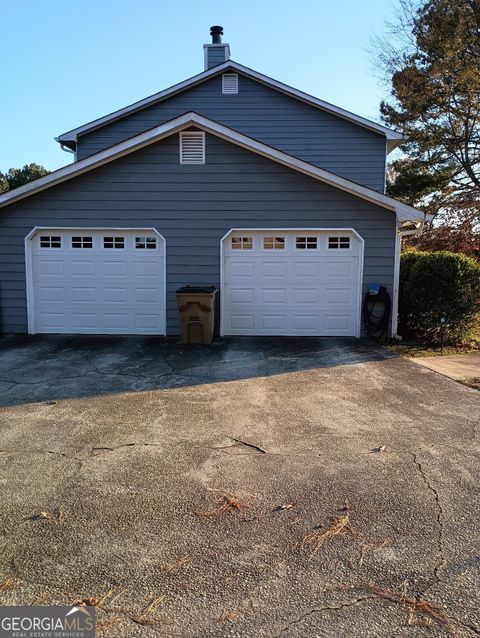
{"x": 196, "y": 290}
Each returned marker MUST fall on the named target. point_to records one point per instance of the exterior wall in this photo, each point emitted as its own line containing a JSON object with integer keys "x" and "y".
{"x": 216, "y": 54}
{"x": 269, "y": 116}
{"x": 192, "y": 206}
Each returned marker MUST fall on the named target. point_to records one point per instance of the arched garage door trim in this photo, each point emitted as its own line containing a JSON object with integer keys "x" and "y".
{"x": 29, "y": 261}
{"x": 304, "y": 230}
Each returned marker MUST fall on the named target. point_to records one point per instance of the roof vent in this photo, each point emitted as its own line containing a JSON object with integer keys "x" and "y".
{"x": 217, "y": 52}
{"x": 216, "y": 33}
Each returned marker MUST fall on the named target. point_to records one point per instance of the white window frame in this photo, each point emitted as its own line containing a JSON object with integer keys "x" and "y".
{"x": 250, "y": 240}
{"x": 306, "y": 248}
{"x": 338, "y": 248}
{"x": 199, "y": 134}
{"x": 82, "y": 237}
{"x": 224, "y": 90}
{"x": 146, "y": 245}
{"x": 50, "y": 247}
{"x": 275, "y": 236}
{"x": 114, "y": 237}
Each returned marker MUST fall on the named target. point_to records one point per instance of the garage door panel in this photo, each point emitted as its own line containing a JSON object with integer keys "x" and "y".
{"x": 309, "y": 296}
{"x": 51, "y": 268}
{"x": 303, "y": 269}
{"x": 273, "y": 323}
{"x": 51, "y": 294}
{"x": 271, "y": 269}
{"x": 273, "y": 296}
{"x": 98, "y": 290}
{"x": 114, "y": 269}
{"x": 339, "y": 297}
{"x": 147, "y": 268}
{"x": 83, "y": 268}
{"x": 114, "y": 295}
{"x": 241, "y": 295}
{"x": 245, "y": 322}
{"x": 83, "y": 295}
{"x": 336, "y": 269}
{"x": 53, "y": 320}
{"x": 313, "y": 291}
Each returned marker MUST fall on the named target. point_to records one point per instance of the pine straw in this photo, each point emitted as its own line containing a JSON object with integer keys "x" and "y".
{"x": 146, "y": 617}
{"x": 9, "y": 583}
{"x": 226, "y": 503}
{"x": 339, "y": 526}
{"x": 181, "y": 562}
{"x": 414, "y": 605}
{"x": 92, "y": 601}
{"x": 230, "y": 616}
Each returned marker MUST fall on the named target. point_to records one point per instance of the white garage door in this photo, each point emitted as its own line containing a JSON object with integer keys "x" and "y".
{"x": 91, "y": 281}
{"x": 291, "y": 283}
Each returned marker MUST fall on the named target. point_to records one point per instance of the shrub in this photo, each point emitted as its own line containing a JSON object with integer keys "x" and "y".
{"x": 435, "y": 285}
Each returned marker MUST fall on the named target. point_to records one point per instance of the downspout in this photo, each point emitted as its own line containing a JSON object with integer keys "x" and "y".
{"x": 400, "y": 234}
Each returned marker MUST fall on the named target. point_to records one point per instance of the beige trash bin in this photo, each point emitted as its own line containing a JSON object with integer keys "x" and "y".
{"x": 196, "y": 305}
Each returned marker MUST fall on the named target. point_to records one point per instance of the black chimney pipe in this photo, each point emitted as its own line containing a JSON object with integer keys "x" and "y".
{"x": 216, "y": 33}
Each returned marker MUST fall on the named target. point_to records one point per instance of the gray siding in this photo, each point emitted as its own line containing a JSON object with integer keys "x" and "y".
{"x": 215, "y": 55}
{"x": 267, "y": 115}
{"x": 193, "y": 207}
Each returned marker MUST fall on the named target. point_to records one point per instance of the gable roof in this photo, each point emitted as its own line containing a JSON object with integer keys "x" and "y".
{"x": 394, "y": 138}
{"x": 403, "y": 212}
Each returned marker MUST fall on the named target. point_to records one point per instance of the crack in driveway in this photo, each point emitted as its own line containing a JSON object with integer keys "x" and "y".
{"x": 441, "y": 561}
{"x": 318, "y": 610}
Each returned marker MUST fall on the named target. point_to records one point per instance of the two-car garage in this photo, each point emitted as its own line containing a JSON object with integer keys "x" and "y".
{"x": 304, "y": 282}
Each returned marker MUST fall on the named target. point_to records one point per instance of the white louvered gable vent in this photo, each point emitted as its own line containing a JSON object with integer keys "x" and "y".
{"x": 192, "y": 147}
{"x": 229, "y": 83}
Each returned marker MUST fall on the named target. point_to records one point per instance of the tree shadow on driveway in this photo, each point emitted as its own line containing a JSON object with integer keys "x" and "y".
{"x": 50, "y": 368}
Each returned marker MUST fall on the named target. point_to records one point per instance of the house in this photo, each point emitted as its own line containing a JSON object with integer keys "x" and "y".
{"x": 228, "y": 178}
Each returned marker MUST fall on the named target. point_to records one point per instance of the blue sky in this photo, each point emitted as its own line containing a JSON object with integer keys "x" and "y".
{"x": 67, "y": 62}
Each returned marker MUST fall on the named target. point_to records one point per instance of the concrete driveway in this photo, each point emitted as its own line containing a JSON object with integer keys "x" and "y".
{"x": 269, "y": 488}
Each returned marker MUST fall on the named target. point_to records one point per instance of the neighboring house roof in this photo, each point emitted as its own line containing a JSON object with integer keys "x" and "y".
{"x": 394, "y": 138}
{"x": 187, "y": 120}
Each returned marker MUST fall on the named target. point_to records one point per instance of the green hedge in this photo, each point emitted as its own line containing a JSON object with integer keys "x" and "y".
{"x": 435, "y": 285}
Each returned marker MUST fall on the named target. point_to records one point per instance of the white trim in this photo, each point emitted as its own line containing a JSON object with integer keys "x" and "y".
{"x": 28, "y": 241}
{"x": 403, "y": 211}
{"x": 399, "y": 234}
{"x": 296, "y": 230}
{"x": 396, "y": 282}
{"x": 395, "y": 138}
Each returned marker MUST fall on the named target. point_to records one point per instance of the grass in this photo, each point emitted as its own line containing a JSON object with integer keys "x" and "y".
{"x": 414, "y": 349}
{"x": 473, "y": 382}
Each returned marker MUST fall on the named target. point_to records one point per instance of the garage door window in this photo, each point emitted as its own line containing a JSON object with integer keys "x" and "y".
{"x": 114, "y": 242}
{"x": 338, "y": 243}
{"x": 50, "y": 241}
{"x": 82, "y": 242}
{"x": 274, "y": 243}
{"x": 306, "y": 243}
{"x": 242, "y": 243}
{"x": 144, "y": 243}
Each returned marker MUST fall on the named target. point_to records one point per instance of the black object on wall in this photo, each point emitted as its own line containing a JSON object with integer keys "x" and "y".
{"x": 377, "y": 307}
